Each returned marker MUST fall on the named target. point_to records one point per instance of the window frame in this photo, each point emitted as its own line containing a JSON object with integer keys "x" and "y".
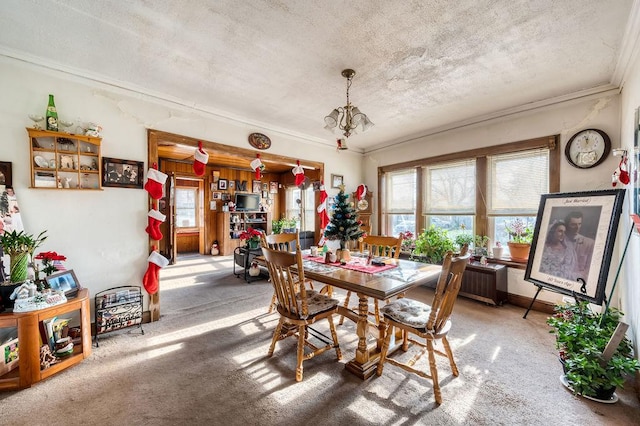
{"x": 481, "y": 225}
{"x": 196, "y": 209}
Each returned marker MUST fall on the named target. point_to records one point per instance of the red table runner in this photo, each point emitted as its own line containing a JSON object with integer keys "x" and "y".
{"x": 356, "y": 264}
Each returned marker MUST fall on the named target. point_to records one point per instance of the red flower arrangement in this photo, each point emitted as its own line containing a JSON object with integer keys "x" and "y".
{"x": 251, "y": 235}
{"x": 48, "y": 259}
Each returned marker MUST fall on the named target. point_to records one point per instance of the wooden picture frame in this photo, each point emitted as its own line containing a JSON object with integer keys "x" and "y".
{"x": 574, "y": 264}
{"x": 65, "y": 281}
{"x": 256, "y": 187}
{"x": 6, "y": 177}
{"x": 217, "y": 196}
{"x": 337, "y": 180}
{"x": 222, "y": 184}
{"x": 120, "y": 173}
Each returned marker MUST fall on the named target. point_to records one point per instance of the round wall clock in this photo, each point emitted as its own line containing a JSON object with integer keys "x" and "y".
{"x": 587, "y": 148}
{"x": 259, "y": 141}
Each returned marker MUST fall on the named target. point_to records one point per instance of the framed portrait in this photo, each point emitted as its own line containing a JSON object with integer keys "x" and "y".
{"x": 215, "y": 175}
{"x": 336, "y": 181}
{"x": 5, "y": 174}
{"x": 573, "y": 242}
{"x": 231, "y": 184}
{"x": 257, "y": 187}
{"x": 222, "y": 184}
{"x": 122, "y": 173}
{"x": 217, "y": 196}
{"x": 317, "y": 185}
{"x": 65, "y": 281}
{"x": 265, "y": 194}
{"x": 273, "y": 187}
{"x": 265, "y": 186}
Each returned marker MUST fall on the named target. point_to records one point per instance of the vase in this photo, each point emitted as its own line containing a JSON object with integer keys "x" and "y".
{"x": 519, "y": 251}
{"x": 497, "y": 252}
{"x": 19, "y": 264}
{"x": 253, "y": 244}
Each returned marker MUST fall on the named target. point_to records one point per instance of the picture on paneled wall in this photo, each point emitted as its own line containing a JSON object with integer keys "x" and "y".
{"x": 222, "y": 184}
{"x": 257, "y": 187}
{"x": 273, "y": 187}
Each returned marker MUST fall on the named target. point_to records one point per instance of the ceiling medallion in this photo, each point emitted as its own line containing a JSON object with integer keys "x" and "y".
{"x": 259, "y": 141}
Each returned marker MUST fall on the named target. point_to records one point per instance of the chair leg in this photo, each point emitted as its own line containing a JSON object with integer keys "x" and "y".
{"x": 447, "y": 349}
{"x": 346, "y": 305}
{"x": 334, "y": 335}
{"x": 276, "y": 336}
{"x": 302, "y": 331}
{"x": 376, "y": 311}
{"x": 434, "y": 372}
{"x": 388, "y": 331}
{"x": 272, "y": 305}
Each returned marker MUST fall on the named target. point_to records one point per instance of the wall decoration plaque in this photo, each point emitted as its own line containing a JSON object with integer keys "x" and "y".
{"x": 259, "y": 141}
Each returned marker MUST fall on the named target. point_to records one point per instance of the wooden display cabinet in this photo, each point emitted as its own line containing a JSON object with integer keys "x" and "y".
{"x": 231, "y": 224}
{"x": 29, "y": 326}
{"x": 64, "y": 161}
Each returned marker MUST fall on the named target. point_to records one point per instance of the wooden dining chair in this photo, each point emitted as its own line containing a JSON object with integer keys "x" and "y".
{"x": 299, "y": 307}
{"x": 430, "y": 323}
{"x": 289, "y": 242}
{"x": 377, "y": 246}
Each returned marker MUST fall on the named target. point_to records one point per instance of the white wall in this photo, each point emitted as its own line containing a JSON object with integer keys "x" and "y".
{"x": 629, "y": 290}
{"x": 102, "y": 232}
{"x": 565, "y": 119}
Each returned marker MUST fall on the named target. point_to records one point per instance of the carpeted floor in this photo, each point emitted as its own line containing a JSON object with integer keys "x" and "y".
{"x": 204, "y": 363}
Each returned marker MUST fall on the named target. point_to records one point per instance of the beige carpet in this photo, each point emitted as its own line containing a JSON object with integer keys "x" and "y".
{"x": 205, "y": 363}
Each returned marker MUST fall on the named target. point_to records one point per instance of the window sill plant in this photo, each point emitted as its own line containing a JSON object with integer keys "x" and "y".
{"x": 581, "y": 337}
{"x": 432, "y": 245}
{"x": 520, "y": 237}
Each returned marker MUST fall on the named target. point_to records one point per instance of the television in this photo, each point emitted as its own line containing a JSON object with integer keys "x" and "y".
{"x": 246, "y": 202}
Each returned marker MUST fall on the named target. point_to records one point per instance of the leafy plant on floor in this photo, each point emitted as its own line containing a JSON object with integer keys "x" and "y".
{"x": 581, "y": 337}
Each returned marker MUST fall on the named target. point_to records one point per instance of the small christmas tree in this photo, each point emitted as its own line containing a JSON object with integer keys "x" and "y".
{"x": 344, "y": 225}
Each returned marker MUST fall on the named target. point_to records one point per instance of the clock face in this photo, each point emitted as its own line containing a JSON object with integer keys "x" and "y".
{"x": 363, "y": 204}
{"x": 588, "y": 148}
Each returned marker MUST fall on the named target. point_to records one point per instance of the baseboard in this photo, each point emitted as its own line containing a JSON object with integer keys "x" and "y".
{"x": 523, "y": 301}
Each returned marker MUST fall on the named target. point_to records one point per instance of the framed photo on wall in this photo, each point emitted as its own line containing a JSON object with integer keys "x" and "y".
{"x": 256, "y": 187}
{"x": 5, "y": 174}
{"x": 273, "y": 187}
{"x": 573, "y": 242}
{"x": 336, "y": 181}
{"x": 222, "y": 184}
{"x": 122, "y": 173}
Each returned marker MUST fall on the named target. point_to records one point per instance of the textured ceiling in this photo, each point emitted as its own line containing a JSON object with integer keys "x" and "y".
{"x": 422, "y": 65}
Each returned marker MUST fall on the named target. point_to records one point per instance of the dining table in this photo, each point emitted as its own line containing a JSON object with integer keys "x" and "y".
{"x": 390, "y": 278}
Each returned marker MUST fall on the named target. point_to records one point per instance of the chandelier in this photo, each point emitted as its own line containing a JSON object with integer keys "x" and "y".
{"x": 347, "y": 118}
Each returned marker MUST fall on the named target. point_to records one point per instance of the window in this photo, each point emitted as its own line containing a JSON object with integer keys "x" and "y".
{"x": 186, "y": 208}
{"x": 516, "y": 182}
{"x": 480, "y": 189}
{"x": 298, "y": 201}
{"x": 400, "y": 205}
{"x": 450, "y": 196}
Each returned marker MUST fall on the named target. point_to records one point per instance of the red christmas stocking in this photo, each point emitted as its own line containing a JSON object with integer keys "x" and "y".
{"x": 201, "y": 157}
{"x": 257, "y": 166}
{"x": 298, "y": 171}
{"x": 151, "y": 279}
{"x": 155, "y": 181}
{"x": 155, "y": 219}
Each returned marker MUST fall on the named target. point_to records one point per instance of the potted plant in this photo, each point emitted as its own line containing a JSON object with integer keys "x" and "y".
{"x": 20, "y": 247}
{"x": 432, "y": 244}
{"x": 520, "y": 237}
{"x": 252, "y": 237}
{"x": 408, "y": 241}
{"x": 464, "y": 238}
{"x": 480, "y": 245}
{"x": 581, "y": 337}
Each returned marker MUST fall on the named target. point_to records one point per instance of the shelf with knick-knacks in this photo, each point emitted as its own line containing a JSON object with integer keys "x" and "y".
{"x": 64, "y": 161}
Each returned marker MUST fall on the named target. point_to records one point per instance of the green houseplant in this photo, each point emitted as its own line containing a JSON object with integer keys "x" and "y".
{"x": 20, "y": 246}
{"x": 432, "y": 244}
{"x": 581, "y": 337}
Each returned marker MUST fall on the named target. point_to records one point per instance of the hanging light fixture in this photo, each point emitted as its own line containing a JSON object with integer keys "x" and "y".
{"x": 347, "y": 118}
